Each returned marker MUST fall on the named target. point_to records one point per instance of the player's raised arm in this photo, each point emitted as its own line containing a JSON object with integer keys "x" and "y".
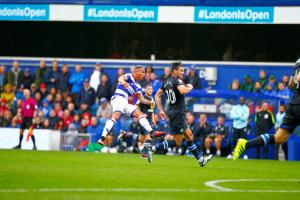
{"x": 185, "y": 89}
{"x": 158, "y": 103}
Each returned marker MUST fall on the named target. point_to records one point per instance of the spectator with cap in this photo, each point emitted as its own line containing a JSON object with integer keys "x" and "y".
{"x": 104, "y": 111}
{"x": 27, "y": 79}
{"x": 8, "y": 95}
{"x": 263, "y": 78}
{"x": 52, "y": 77}
{"x": 46, "y": 108}
{"x": 33, "y": 88}
{"x": 248, "y": 86}
{"x": 63, "y": 80}
{"x": 41, "y": 73}
{"x": 104, "y": 88}
{"x": 193, "y": 78}
{"x": 3, "y": 77}
{"x": 95, "y": 78}
{"x": 87, "y": 93}
{"x": 76, "y": 80}
{"x": 43, "y": 90}
{"x": 15, "y": 75}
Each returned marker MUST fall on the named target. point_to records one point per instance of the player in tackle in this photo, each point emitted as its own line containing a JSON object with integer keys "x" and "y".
{"x": 290, "y": 121}
{"x": 127, "y": 87}
{"x": 175, "y": 90}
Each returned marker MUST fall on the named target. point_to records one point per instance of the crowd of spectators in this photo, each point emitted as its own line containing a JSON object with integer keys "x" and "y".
{"x": 66, "y": 97}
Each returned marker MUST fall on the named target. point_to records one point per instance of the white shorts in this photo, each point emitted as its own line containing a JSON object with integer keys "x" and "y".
{"x": 120, "y": 104}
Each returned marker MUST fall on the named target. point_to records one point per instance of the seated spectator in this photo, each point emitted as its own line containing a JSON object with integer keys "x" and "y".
{"x": 41, "y": 73}
{"x": 6, "y": 119}
{"x": 219, "y": 132}
{"x": 285, "y": 80}
{"x": 3, "y": 108}
{"x": 83, "y": 126}
{"x": 235, "y": 85}
{"x": 38, "y": 123}
{"x": 248, "y": 86}
{"x": 27, "y": 79}
{"x": 191, "y": 124}
{"x": 52, "y": 77}
{"x": 8, "y": 95}
{"x": 67, "y": 119}
{"x": 41, "y": 115}
{"x": 84, "y": 108}
{"x": 3, "y": 77}
{"x": 46, "y": 124}
{"x": 77, "y": 121}
{"x": 166, "y": 75}
{"x": 38, "y": 98}
{"x": 71, "y": 108}
{"x": 203, "y": 130}
{"x": 33, "y": 89}
{"x": 283, "y": 92}
{"x": 193, "y": 78}
{"x": 50, "y": 99}
{"x": 15, "y": 75}
{"x": 258, "y": 88}
{"x": 76, "y": 80}
{"x": 59, "y": 99}
{"x": 18, "y": 93}
{"x": 59, "y": 111}
{"x": 87, "y": 93}
{"x": 43, "y": 90}
{"x": 272, "y": 81}
{"x": 104, "y": 88}
{"x": 17, "y": 105}
{"x": 95, "y": 78}
{"x": 53, "y": 120}
{"x": 95, "y": 129}
{"x": 53, "y": 92}
{"x": 137, "y": 139}
{"x": 63, "y": 79}
{"x": 263, "y": 78}
{"x": 104, "y": 111}
{"x": 269, "y": 90}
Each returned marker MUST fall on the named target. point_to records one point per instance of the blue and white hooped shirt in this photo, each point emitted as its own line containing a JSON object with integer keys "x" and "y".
{"x": 132, "y": 89}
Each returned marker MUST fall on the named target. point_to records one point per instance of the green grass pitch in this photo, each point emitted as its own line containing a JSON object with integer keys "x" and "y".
{"x": 82, "y": 175}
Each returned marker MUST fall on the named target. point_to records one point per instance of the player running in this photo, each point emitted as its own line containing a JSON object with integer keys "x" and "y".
{"x": 28, "y": 113}
{"x": 127, "y": 87}
{"x": 175, "y": 90}
{"x": 290, "y": 121}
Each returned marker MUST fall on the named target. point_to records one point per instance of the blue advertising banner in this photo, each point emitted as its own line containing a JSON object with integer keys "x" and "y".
{"x": 24, "y": 12}
{"x": 234, "y": 14}
{"x": 121, "y": 13}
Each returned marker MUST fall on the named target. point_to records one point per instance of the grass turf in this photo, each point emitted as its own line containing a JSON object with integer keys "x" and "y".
{"x": 35, "y": 170}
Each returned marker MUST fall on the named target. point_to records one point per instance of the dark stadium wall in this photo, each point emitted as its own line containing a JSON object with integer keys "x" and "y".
{"x": 274, "y": 43}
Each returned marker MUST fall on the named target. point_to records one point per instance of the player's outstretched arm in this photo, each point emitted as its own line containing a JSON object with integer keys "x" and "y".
{"x": 143, "y": 100}
{"x": 185, "y": 89}
{"x": 158, "y": 103}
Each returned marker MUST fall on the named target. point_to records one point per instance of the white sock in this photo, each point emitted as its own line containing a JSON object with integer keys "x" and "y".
{"x": 108, "y": 126}
{"x": 207, "y": 151}
{"x": 144, "y": 123}
{"x": 219, "y": 152}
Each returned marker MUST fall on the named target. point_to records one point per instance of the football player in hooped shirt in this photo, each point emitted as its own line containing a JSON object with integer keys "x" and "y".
{"x": 175, "y": 90}
{"x": 290, "y": 121}
{"x": 28, "y": 113}
{"x": 127, "y": 87}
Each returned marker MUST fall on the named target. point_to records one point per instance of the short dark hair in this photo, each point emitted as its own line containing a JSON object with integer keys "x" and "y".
{"x": 139, "y": 67}
{"x": 176, "y": 65}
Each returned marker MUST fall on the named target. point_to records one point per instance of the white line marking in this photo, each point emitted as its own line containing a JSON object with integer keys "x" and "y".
{"x": 213, "y": 184}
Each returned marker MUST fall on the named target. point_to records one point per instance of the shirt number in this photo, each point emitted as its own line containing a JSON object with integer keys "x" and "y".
{"x": 171, "y": 96}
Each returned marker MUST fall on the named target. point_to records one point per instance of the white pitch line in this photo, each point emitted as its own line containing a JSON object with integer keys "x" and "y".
{"x": 213, "y": 184}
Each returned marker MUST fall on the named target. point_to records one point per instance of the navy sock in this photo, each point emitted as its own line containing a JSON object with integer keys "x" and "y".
{"x": 33, "y": 140}
{"x": 165, "y": 145}
{"x": 193, "y": 148}
{"x": 262, "y": 140}
{"x": 20, "y": 139}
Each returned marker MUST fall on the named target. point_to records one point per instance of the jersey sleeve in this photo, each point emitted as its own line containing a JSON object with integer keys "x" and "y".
{"x": 178, "y": 82}
{"x": 128, "y": 78}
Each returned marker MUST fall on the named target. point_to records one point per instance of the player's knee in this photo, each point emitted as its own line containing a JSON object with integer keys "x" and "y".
{"x": 281, "y": 136}
{"x": 218, "y": 140}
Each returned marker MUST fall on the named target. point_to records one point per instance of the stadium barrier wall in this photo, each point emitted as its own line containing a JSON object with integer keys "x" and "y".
{"x": 153, "y": 14}
{"x": 45, "y": 139}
